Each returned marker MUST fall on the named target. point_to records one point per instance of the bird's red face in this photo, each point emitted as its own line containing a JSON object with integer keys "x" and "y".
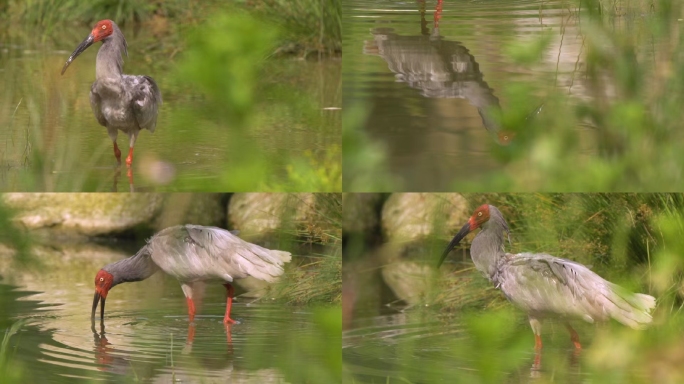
{"x": 102, "y": 29}
{"x": 103, "y": 283}
{"x": 479, "y": 217}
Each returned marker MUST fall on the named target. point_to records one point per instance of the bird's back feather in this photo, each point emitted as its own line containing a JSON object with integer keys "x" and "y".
{"x": 545, "y": 285}
{"x": 194, "y": 253}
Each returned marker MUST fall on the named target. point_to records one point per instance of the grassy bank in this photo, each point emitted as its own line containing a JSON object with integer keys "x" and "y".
{"x": 309, "y": 26}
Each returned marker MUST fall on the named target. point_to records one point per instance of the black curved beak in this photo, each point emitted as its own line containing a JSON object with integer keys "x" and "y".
{"x": 97, "y": 298}
{"x": 81, "y": 47}
{"x": 460, "y": 235}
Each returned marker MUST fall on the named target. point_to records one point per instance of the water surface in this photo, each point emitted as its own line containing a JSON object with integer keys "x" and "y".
{"x": 146, "y": 336}
{"x": 433, "y": 77}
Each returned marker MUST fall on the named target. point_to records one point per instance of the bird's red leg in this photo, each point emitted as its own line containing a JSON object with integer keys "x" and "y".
{"x": 129, "y": 159}
{"x": 438, "y": 13}
{"x": 574, "y": 336}
{"x": 191, "y": 309}
{"x": 191, "y": 334}
{"x": 117, "y": 153}
{"x": 229, "y": 303}
{"x": 537, "y": 343}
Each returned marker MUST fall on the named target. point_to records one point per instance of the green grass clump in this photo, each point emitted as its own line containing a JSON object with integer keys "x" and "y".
{"x": 318, "y": 277}
{"x": 312, "y": 26}
{"x": 10, "y": 371}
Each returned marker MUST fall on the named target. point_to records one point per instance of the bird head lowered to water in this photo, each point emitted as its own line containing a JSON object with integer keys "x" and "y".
{"x": 135, "y": 268}
{"x": 104, "y": 281}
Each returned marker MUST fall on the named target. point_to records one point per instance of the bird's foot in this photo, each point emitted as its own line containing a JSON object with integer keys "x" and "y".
{"x": 228, "y": 320}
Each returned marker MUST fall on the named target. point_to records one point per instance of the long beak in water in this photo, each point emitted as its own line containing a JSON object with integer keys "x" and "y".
{"x": 460, "y": 235}
{"x": 81, "y": 47}
{"x": 97, "y": 298}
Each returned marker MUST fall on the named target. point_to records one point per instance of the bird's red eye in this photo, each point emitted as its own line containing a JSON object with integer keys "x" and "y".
{"x": 104, "y": 27}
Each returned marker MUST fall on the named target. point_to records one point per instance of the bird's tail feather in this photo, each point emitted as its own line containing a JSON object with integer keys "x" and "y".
{"x": 284, "y": 256}
{"x": 631, "y": 309}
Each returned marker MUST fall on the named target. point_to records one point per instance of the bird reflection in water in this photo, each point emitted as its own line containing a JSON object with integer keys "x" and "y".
{"x": 107, "y": 359}
{"x": 129, "y": 175}
{"x": 438, "y": 68}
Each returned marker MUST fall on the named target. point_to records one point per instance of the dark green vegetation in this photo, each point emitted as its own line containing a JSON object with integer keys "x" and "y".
{"x": 464, "y": 330}
{"x": 309, "y": 25}
{"x": 240, "y": 112}
{"x": 621, "y": 134}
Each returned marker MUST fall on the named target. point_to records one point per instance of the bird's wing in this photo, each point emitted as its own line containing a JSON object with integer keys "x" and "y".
{"x": 95, "y": 105}
{"x": 236, "y": 257}
{"x": 145, "y": 100}
{"x": 194, "y": 252}
{"x": 541, "y": 283}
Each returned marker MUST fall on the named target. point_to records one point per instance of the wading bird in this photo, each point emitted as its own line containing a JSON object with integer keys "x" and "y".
{"x": 120, "y": 102}
{"x": 546, "y": 286}
{"x": 193, "y": 254}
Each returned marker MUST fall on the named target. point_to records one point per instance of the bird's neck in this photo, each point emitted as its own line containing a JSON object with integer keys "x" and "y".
{"x": 487, "y": 248}
{"x": 109, "y": 62}
{"x": 135, "y": 268}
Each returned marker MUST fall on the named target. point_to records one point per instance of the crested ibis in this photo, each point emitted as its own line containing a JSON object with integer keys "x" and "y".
{"x": 546, "y": 286}
{"x": 193, "y": 254}
{"x": 127, "y": 103}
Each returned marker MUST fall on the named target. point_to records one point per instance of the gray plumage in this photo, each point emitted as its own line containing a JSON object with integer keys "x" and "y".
{"x": 193, "y": 253}
{"x": 119, "y": 102}
{"x": 543, "y": 285}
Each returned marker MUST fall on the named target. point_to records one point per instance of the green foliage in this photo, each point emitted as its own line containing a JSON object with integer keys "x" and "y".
{"x": 310, "y": 174}
{"x": 318, "y": 278}
{"x": 49, "y": 14}
{"x": 308, "y": 25}
{"x": 10, "y": 371}
{"x": 224, "y": 58}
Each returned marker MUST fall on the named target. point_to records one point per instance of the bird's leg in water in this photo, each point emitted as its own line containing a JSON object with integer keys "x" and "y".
{"x": 191, "y": 334}
{"x": 129, "y": 174}
{"x": 191, "y": 309}
{"x": 536, "y": 328}
{"x": 573, "y": 336}
{"x": 131, "y": 142}
{"x": 129, "y": 158}
{"x": 438, "y": 13}
{"x": 229, "y": 336}
{"x": 117, "y": 153}
{"x": 113, "y": 133}
{"x": 229, "y": 303}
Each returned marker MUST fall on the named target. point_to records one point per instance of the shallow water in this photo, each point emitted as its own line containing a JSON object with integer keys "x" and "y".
{"x": 432, "y": 75}
{"x": 430, "y": 347}
{"x": 52, "y": 140}
{"x": 146, "y": 336}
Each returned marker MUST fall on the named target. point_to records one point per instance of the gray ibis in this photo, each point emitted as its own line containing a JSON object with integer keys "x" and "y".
{"x": 546, "y": 286}
{"x": 194, "y": 255}
{"x": 120, "y": 102}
